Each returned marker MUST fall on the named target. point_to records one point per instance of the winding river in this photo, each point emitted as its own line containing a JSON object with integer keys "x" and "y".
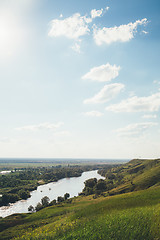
{"x": 54, "y": 189}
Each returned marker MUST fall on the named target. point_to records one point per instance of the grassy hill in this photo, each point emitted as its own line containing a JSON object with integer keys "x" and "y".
{"x": 134, "y": 175}
{"x": 133, "y": 215}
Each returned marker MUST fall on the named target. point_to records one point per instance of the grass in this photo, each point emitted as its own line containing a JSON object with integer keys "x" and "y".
{"x": 138, "y": 175}
{"x": 127, "y": 216}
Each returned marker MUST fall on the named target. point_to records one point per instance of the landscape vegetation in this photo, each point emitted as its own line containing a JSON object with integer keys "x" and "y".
{"x": 125, "y": 205}
{"x": 79, "y": 84}
{"x": 18, "y": 184}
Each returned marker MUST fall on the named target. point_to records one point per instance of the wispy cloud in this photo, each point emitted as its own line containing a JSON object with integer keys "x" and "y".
{"x": 149, "y": 116}
{"x": 122, "y": 33}
{"x": 103, "y": 73}
{"x": 137, "y": 104}
{"x": 93, "y": 114}
{"x": 76, "y": 47}
{"x": 133, "y": 130}
{"x": 144, "y": 32}
{"x": 96, "y": 13}
{"x": 107, "y": 93}
{"x": 41, "y": 126}
{"x": 158, "y": 83}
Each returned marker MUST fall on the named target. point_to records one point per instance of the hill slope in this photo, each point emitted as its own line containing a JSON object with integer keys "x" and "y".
{"x": 128, "y": 216}
{"x": 133, "y": 176}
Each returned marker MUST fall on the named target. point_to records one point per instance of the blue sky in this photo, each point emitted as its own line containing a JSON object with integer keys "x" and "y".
{"x": 80, "y": 79}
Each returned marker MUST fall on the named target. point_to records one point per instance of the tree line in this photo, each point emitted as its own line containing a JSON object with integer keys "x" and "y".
{"x": 18, "y": 185}
{"x": 45, "y": 202}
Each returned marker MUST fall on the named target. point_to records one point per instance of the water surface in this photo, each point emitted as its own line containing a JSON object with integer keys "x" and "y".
{"x": 73, "y": 186}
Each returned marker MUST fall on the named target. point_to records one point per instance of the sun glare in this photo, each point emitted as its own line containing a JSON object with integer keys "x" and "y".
{"x": 10, "y": 34}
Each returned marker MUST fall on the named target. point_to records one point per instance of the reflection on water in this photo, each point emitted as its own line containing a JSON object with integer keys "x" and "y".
{"x": 5, "y": 172}
{"x": 54, "y": 189}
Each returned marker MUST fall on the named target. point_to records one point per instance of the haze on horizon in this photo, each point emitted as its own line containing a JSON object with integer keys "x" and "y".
{"x": 80, "y": 79}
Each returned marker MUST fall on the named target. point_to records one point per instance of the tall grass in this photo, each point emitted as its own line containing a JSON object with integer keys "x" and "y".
{"x": 133, "y": 216}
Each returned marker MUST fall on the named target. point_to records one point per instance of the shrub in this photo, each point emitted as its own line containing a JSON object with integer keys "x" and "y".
{"x": 69, "y": 200}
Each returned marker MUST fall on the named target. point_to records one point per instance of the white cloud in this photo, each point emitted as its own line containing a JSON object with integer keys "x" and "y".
{"x": 96, "y": 13}
{"x": 135, "y": 129}
{"x": 93, "y": 114}
{"x": 41, "y": 126}
{"x": 149, "y": 116}
{"x": 76, "y": 47}
{"x": 144, "y": 32}
{"x": 107, "y": 93}
{"x": 72, "y": 27}
{"x": 137, "y": 104}
{"x": 103, "y": 73}
{"x": 122, "y": 33}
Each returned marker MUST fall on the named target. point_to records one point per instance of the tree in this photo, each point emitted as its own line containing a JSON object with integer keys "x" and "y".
{"x": 24, "y": 194}
{"x": 110, "y": 176}
{"x": 38, "y": 207}
{"x": 53, "y": 202}
{"x": 89, "y": 186}
{"x": 100, "y": 186}
{"x": 60, "y": 199}
{"x": 31, "y": 208}
{"x": 90, "y": 182}
{"x": 9, "y": 198}
{"x": 66, "y": 196}
{"x": 45, "y": 201}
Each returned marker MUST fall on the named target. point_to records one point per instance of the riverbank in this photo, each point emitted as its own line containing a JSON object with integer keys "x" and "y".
{"x": 18, "y": 185}
{"x": 129, "y": 210}
{"x": 127, "y": 216}
{"x": 52, "y": 190}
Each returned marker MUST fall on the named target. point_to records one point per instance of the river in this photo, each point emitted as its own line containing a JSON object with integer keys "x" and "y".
{"x": 73, "y": 186}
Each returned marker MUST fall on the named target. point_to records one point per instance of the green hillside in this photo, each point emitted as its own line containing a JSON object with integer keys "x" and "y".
{"x": 134, "y": 215}
{"x": 133, "y": 176}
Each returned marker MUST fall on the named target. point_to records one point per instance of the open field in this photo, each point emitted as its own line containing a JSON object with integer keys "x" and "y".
{"x": 10, "y": 163}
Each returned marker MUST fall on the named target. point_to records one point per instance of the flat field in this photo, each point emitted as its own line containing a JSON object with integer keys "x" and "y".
{"x": 11, "y": 164}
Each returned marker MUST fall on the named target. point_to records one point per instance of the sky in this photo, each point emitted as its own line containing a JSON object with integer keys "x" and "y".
{"x": 79, "y": 79}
